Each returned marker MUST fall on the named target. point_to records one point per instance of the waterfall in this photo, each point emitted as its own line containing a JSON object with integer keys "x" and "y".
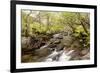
{"x": 59, "y": 56}
{"x": 52, "y": 56}
{"x": 65, "y": 56}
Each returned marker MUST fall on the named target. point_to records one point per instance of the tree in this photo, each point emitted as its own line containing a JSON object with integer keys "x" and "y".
{"x": 27, "y": 23}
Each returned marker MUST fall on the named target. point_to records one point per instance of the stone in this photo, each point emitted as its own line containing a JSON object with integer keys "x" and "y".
{"x": 84, "y": 51}
{"x": 86, "y": 57}
{"x": 25, "y": 41}
{"x": 57, "y": 41}
{"x": 42, "y": 52}
{"x": 53, "y": 40}
{"x": 58, "y": 36}
{"x": 60, "y": 47}
{"x": 67, "y": 41}
{"x": 75, "y": 55}
{"x": 26, "y": 58}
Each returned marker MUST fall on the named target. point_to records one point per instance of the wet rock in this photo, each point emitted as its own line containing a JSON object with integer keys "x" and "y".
{"x": 60, "y": 47}
{"x": 58, "y": 36}
{"x": 45, "y": 46}
{"x": 57, "y": 41}
{"x": 52, "y": 45}
{"x": 42, "y": 52}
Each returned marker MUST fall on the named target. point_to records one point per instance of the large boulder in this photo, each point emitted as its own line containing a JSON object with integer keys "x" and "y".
{"x": 55, "y": 41}
{"x": 26, "y": 58}
{"x": 85, "y": 51}
{"x": 60, "y": 47}
{"x": 67, "y": 41}
{"x": 25, "y": 41}
{"x": 43, "y": 52}
{"x": 86, "y": 57}
{"x": 75, "y": 55}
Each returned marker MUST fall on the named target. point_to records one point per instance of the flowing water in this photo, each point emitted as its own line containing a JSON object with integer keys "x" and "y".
{"x": 59, "y": 56}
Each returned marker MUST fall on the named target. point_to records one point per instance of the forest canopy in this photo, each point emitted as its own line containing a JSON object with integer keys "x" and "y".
{"x": 51, "y": 22}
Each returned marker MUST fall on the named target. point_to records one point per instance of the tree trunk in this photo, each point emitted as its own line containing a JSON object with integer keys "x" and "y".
{"x": 27, "y": 24}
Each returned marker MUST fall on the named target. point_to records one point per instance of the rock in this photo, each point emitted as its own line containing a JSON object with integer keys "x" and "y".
{"x": 43, "y": 52}
{"x": 45, "y": 46}
{"x": 76, "y": 58}
{"x": 57, "y": 41}
{"x": 52, "y": 45}
{"x": 58, "y": 36}
{"x": 35, "y": 58}
{"x": 67, "y": 41}
{"x": 26, "y": 58}
{"x": 25, "y": 42}
{"x": 75, "y": 55}
{"x": 84, "y": 51}
{"x": 29, "y": 43}
{"x": 60, "y": 47}
{"x": 76, "y": 45}
{"x": 85, "y": 57}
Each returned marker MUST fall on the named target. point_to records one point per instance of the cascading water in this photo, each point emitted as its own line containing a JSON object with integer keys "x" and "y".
{"x": 65, "y": 56}
{"x": 59, "y": 56}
